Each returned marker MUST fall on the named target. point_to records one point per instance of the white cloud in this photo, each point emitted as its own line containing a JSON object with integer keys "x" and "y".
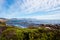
{"x": 40, "y": 5}
{"x": 55, "y": 16}
{"x": 31, "y": 6}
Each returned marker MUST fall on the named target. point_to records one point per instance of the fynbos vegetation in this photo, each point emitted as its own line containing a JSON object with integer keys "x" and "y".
{"x": 30, "y": 33}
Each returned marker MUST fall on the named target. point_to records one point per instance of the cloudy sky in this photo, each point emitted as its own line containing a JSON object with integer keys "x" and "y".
{"x": 37, "y": 9}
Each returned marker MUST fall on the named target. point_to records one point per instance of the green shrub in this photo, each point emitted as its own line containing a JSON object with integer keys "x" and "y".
{"x": 14, "y": 33}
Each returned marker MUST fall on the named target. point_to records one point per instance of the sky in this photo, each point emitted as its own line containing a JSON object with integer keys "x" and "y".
{"x": 35, "y": 9}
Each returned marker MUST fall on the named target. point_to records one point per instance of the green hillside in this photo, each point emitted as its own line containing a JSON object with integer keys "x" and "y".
{"x": 15, "y": 33}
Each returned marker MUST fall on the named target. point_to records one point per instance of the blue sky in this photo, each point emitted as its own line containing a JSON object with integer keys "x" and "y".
{"x": 37, "y": 9}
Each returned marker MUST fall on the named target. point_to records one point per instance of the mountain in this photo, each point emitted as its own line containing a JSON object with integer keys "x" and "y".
{"x": 3, "y": 19}
{"x": 27, "y": 22}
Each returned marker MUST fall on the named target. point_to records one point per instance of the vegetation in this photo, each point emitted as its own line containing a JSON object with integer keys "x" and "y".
{"x": 30, "y": 33}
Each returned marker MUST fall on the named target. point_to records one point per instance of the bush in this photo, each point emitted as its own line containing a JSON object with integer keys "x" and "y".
{"x": 14, "y": 33}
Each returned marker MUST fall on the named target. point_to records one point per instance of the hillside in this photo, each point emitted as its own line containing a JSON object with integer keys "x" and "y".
{"x": 31, "y": 33}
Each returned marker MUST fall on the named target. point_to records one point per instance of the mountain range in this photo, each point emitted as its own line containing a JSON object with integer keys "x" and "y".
{"x": 24, "y": 22}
